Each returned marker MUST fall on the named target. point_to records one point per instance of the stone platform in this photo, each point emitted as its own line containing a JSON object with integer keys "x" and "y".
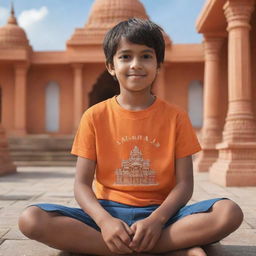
{"x": 55, "y": 184}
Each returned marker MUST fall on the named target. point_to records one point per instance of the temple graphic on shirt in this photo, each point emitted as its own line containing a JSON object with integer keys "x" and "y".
{"x": 135, "y": 171}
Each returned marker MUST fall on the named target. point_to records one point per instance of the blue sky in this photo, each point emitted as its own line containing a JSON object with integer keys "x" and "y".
{"x": 50, "y": 23}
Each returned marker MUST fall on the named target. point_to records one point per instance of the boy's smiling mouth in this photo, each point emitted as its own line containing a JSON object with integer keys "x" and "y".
{"x": 136, "y": 75}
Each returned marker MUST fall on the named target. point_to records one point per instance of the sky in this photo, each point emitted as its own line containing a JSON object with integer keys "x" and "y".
{"x": 50, "y": 23}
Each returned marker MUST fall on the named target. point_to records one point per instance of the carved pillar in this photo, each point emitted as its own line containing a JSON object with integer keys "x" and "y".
{"x": 78, "y": 94}
{"x": 20, "y": 99}
{"x": 211, "y": 131}
{"x": 236, "y": 165}
{"x": 6, "y": 166}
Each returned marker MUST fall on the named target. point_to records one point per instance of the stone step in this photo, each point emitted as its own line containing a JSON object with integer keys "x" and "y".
{"x": 40, "y": 142}
{"x": 39, "y": 155}
{"x": 39, "y": 152}
{"x": 42, "y": 150}
{"x": 45, "y": 163}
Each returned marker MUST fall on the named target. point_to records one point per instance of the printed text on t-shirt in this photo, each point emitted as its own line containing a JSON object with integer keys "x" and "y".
{"x": 124, "y": 139}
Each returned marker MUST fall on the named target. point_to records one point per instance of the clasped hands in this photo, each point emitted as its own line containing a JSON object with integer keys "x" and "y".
{"x": 139, "y": 237}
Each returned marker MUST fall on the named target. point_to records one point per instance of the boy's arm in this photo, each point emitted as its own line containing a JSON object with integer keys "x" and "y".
{"x": 148, "y": 231}
{"x": 84, "y": 195}
{"x": 116, "y": 233}
{"x": 181, "y": 193}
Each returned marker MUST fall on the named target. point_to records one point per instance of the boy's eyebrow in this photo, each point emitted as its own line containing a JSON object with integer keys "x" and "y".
{"x": 143, "y": 51}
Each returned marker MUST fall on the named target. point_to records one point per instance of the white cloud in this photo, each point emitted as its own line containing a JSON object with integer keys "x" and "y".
{"x": 29, "y": 17}
{"x": 4, "y": 13}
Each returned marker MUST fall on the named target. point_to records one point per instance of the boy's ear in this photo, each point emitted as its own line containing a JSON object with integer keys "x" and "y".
{"x": 110, "y": 68}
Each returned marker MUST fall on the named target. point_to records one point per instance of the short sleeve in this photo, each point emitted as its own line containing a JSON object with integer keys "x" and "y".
{"x": 186, "y": 140}
{"x": 84, "y": 144}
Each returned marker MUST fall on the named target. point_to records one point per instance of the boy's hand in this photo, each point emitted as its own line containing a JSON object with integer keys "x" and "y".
{"x": 117, "y": 235}
{"x": 147, "y": 233}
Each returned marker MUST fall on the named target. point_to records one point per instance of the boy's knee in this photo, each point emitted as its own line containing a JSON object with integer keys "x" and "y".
{"x": 236, "y": 214}
{"x": 230, "y": 214}
{"x": 31, "y": 222}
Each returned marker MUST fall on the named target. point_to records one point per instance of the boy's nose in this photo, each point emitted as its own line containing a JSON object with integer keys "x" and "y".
{"x": 135, "y": 64}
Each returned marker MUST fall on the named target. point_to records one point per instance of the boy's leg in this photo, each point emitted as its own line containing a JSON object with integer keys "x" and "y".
{"x": 72, "y": 235}
{"x": 63, "y": 233}
{"x": 201, "y": 228}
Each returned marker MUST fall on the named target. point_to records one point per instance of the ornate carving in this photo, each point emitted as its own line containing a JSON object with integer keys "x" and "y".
{"x": 13, "y": 36}
{"x": 243, "y": 125}
{"x": 212, "y": 47}
{"x": 240, "y": 130}
{"x": 6, "y": 165}
{"x": 238, "y": 154}
{"x": 103, "y": 16}
{"x": 135, "y": 171}
{"x": 238, "y": 13}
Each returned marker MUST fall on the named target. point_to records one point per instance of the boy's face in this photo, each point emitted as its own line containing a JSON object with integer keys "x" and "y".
{"x": 134, "y": 65}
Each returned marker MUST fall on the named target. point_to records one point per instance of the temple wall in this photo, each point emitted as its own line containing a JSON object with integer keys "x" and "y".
{"x": 178, "y": 76}
{"x": 38, "y": 78}
{"x": 7, "y": 86}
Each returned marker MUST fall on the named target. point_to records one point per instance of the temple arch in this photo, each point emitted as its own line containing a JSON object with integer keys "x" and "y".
{"x": 195, "y": 103}
{"x": 52, "y": 109}
{"x": 104, "y": 88}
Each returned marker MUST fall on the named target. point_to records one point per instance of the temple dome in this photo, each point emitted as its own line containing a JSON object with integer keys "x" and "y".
{"x": 107, "y": 13}
{"x": 11, "y": 35}
{"x": 104, "y": 15}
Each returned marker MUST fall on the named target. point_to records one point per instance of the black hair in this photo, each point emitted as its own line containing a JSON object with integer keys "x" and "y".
{"x": 137, "y": 31}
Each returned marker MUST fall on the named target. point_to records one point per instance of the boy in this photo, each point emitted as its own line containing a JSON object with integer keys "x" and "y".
{"x": 140, "y": 149}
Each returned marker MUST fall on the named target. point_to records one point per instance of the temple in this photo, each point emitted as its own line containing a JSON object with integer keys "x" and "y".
{"x": 229, "y": 127}
{"x": 43, "y": 94}
{"x": 135, "y": 171}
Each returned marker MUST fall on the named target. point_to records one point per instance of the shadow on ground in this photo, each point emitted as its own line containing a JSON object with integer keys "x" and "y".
{"x": 230, "y": 250}
{"x": 211, "y": 250}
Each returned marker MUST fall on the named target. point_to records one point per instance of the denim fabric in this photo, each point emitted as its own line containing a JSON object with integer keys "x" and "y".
{"x": 127, "y": 213}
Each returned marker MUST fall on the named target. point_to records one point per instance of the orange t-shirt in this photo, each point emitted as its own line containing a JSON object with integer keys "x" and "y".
{"x": 135, "y": 151}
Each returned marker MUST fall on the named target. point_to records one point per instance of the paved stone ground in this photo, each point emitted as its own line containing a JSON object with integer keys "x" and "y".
{"x": 41, "y": 184}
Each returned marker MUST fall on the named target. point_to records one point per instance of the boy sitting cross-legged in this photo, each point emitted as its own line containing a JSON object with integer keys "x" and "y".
{"x": 140, "y": 149}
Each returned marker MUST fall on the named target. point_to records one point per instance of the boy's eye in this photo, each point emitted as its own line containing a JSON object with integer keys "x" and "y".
{"x": 124, "y": 57}
{"x": 147, "y": 56}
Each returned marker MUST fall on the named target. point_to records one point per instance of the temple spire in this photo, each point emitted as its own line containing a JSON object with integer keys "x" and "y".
{"x": 12, "y": 18}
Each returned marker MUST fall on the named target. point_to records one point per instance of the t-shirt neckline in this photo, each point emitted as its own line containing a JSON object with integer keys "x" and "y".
{"x": 134, "y": 114}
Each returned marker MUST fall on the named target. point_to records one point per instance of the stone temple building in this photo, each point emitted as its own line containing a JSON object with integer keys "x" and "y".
{"x": 135, "y": 170}
{"x": 43, "y": 94}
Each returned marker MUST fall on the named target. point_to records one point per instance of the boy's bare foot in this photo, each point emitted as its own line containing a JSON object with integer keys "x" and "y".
{"x": 194, "y": 251}
{"x": 140, "y": 254}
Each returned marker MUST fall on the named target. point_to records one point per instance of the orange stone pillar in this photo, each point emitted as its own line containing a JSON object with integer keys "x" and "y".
{"x": 78, "y": 94}
{"x": 211, "y": 131}
{"x": 236, "y": 165}
{"x": 20, "y": 99}
{"x": 6, "y": 166}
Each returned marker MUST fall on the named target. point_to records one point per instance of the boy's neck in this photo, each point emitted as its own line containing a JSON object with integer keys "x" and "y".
{"x": 135, "y": 102}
